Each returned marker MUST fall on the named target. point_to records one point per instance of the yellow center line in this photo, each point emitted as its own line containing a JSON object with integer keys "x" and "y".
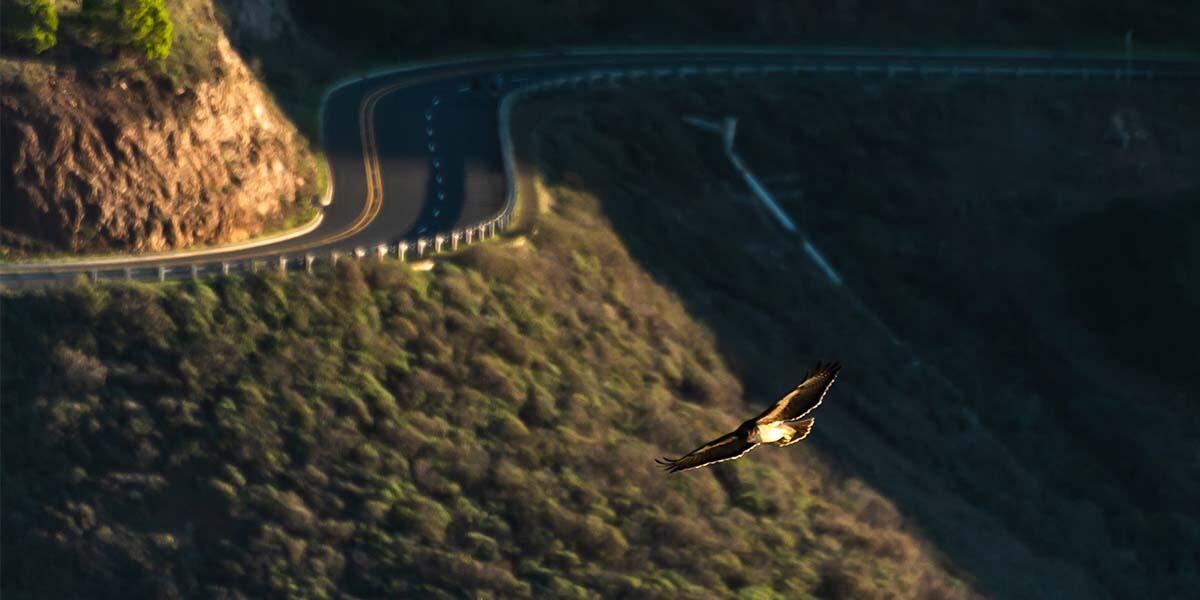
{"x": 372, "y": 171}
{"x": 371, "y": 165}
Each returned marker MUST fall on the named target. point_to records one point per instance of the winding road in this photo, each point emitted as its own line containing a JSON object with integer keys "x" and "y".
{"x": 415, "y": 152}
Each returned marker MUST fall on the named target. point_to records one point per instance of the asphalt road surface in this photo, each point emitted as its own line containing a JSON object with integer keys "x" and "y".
{"x": 416, "y": 152}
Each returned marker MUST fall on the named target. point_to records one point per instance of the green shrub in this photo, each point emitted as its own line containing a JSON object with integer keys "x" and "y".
{"x": 482, "y": 546}
{"x": 758, "y": 592}
{"x": 142, "y": 26}
{"x": 30, "y": 24}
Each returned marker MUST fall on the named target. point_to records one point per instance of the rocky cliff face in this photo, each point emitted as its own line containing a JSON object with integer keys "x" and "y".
{"x": 256, "y": 21}
{"x": 106, "y": 162}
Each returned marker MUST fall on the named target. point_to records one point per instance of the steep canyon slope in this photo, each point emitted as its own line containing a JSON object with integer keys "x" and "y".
{"x": 100, "y": 158}
{"x": 1017, "y": 295}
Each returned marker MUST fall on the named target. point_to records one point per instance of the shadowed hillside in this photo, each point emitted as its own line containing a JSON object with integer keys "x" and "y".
{"x": 471, "y": 24}
{"x": 1017, "y": 298}
{"x": 299, "y": 46}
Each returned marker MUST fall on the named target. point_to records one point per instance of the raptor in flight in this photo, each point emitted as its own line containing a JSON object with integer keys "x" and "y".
{"x": 781, "y": 425}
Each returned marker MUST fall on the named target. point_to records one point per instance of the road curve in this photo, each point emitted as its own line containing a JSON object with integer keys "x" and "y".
{"x": 415, "y": 151}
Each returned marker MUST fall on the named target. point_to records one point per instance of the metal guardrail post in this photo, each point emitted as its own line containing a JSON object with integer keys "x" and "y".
{"x": 224, "y": 268}
{"x": 359, "y": 252}
{"x": 381, "y": 252}
{"x": 468, "y": 232}
{"x": 128, "y": 274}
{"x": 94, "y": 276}
{"x": 309, "y": 259}
{"x": 333, "y": 257}
{"x": 162, "y": 273}
{"x": 438, "y": 240}
{"x": 195, "y": 271}
{"x": 283, "y": 261}
{"x": 454, "y": 237}
{"x": 421, "y": 243}
{"x": 402, "y": 250}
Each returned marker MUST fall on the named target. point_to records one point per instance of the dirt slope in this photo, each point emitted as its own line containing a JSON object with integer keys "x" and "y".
{"x": 96, "y": 161}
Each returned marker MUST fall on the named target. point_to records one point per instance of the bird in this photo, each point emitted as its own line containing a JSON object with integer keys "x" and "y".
{"x": 782, "y": 425}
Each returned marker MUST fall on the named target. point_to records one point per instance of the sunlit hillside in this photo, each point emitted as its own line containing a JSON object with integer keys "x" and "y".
{"x": 484, "y": 429}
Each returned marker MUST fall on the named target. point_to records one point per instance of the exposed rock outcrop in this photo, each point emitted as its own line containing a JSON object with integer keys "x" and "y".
{"x": 106, "y": 162}
{"x": 259, "y": 20}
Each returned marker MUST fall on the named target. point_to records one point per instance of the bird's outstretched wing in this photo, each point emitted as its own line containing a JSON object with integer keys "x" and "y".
{"x": 726, "y": 447}
{"x": 804, "y": 398}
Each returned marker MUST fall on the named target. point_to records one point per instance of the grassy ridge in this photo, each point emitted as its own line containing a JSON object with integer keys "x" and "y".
{"x": 483, "y": 430}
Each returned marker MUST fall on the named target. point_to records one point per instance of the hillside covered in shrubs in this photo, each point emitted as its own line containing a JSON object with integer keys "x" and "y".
{"x": 1015, "y": 418}
{"x": 486, "y": 429}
